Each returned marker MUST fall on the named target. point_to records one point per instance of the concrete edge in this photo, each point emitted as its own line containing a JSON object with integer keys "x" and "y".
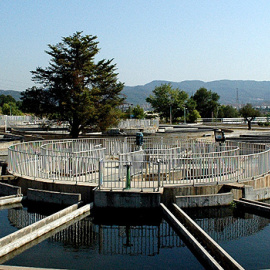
{"x": 13, "y": 199}
{"x": 254, "y": 205}
{"x": 40, "y": 239}
{"x": 209, "y": 242}
{"x": 256, "y": 202}
{"x": 9, "y": 238}
{"x": 199, "y": 249}
{"x": 41, "y": 230}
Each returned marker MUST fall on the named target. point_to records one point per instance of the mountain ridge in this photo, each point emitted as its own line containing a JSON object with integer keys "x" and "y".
{"x": 249, "y": 91}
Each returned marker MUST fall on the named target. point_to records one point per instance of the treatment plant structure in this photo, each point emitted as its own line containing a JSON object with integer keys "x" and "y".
{"x": 124, "y": 172}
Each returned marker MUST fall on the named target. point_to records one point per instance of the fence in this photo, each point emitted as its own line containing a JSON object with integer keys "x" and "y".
{"x": 237, "y": 120}
{"x": 110, "y": 163}
{"x": 10, "y": 120}
{"x": 146, "y": 124}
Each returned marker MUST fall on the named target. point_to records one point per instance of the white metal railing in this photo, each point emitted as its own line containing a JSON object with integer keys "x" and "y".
{"x": 109, "y": 163}
{"x": 191, "y": 171}
{"x": 12, "y": 120}
{"x": 236, "y": 120}
{"x": 146, "y": 124}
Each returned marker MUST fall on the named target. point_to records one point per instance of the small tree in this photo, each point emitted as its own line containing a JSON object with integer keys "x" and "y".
{"x": 249, "y": 113}
{"x": 168, "y": 101}
{"x": 227, "y": 111}
{"x": 138, "y": 112}
{"x": 11, "y": 109}
{"x": 193, "y": 116}
{"x": 6, "y": 99}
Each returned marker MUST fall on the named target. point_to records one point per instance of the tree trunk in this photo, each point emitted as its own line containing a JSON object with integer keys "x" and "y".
{"x": 249, "y": 124}
{"x": 74, "y": 133}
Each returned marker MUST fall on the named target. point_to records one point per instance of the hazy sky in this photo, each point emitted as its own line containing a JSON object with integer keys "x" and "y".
{"x": 149, "y": 40}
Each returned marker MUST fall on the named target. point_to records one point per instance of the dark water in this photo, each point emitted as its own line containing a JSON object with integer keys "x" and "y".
{"x": 124, "y": 241}
{"x": 245, "y": 236}
{"x": 5, "y": 225}
{"x": 138, "y": 240}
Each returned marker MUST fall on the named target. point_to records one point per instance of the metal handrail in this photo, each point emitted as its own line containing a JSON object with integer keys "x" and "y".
{"x": 149, "y": 168}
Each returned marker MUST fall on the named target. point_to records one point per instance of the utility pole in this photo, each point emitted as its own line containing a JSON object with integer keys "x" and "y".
{"x": 170, "y": 114}
{"x": 237, "y": 99}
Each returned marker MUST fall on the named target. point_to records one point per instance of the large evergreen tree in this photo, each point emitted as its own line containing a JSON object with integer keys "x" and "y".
{"x": 76, "y": 88}
{"x": 207, "y": 102}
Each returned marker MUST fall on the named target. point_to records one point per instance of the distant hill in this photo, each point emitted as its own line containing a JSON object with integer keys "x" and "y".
{"x": 15, "y": 94}
{"x": 255, "y": 92}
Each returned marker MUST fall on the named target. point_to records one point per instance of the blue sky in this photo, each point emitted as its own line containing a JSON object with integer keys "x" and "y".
{"x": 149, "y": 40}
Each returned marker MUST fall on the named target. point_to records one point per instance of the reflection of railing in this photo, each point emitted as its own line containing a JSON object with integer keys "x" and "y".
{"x": 137, "y": 240}
{"x": 20, "y": 218}
{"x": 141, "y": 239}
{"x": 230, "y": 228}
{"x": 110, "y": 239}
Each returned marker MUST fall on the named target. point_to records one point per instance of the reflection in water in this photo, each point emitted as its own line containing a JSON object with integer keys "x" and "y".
{"x": 224, "y": 224}
{"x": 110, "y": 239}
{"x": 118, "y": 239}
{"x": 38, "y": 240}
{"x": 21, "y": 218}
{"x": 139, "y": 239}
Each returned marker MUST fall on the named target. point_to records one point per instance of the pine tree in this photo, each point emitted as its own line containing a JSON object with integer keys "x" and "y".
{"x": 80, "y": 91}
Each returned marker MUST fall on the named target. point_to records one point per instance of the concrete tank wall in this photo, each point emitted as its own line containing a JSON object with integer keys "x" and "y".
{"x": 54, "y": 197}
{"x": 126, "y": 199}
{"x": 204, "y": 200}
{"x": 86, "y": 190}
{"x": 6, "y": 189}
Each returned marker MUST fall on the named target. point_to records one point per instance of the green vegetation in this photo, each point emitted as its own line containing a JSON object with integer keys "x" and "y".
{"x": 233, "y": 205}
{"x": 168, "y": 102}
{"x": 204, "y": 103}
{"x": 227, "y": 111}
{"x": 207, "y": 102}
{"x": 174, "y": 103}
{"x": 249, "y": 113}
{"x": 248, "y": 90}
{"x": 136, "y": 112}
{"x": 264, "y": 124}
{"x": 9, "y": 106}
{"x": 75, "y": 88}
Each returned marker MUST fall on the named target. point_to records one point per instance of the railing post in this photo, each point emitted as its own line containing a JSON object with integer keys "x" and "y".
{"x": 128, "y": 176}
{"x": 158, "y": 174}
{"x": 100, "y": 173}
